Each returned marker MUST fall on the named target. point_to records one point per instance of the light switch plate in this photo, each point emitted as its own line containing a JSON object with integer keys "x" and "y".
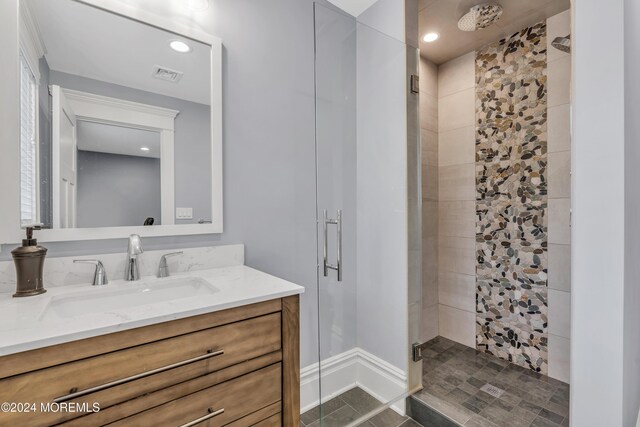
{"x": 184, "y": 213}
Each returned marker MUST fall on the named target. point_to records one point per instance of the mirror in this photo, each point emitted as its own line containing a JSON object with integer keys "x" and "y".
{"x": 116, "y": 121}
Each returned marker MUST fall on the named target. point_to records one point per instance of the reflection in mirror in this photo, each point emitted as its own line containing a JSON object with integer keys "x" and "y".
{"x": 112, "y": 159}
{"x": 115, "y": 122}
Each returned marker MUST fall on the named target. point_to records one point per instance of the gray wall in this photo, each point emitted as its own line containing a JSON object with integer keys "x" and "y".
{"x": 192, "y": 139}
{"x": 631, "y": 359}
{"x": 116, "y": 190}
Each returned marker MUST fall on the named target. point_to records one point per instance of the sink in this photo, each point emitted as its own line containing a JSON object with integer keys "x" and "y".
{"x": 95, "y": 300}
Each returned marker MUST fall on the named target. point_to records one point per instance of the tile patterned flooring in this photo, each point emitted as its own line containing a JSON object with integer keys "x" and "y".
{"x": 453, "y": 375}
{"x": 348, "y": 407}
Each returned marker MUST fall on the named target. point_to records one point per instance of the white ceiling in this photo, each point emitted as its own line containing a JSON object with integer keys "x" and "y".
{"x": 353, "y": 7}
{"x": 104, "y": 138}
{"x": 441, "y": 16}
{"x": 89, "y": 42}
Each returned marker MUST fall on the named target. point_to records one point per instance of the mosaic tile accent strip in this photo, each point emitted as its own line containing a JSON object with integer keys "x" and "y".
{"x": 511, "y": 198}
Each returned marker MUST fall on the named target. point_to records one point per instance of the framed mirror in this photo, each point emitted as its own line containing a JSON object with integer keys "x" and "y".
{"x": 120, "y": 124}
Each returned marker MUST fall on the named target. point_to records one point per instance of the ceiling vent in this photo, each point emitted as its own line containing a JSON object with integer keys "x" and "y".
{"x": 167, "y": 74}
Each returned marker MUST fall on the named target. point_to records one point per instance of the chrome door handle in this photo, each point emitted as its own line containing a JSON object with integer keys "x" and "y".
{"x": 75, "y": 394}
{"x": 210, "y": 415}
{"x": 325, "y": 250}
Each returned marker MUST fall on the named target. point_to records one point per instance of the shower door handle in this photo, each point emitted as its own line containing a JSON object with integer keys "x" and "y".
{"x": 338, "y": 223}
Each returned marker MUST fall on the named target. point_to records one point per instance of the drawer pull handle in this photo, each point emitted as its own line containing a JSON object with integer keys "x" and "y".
{"x": 76, "y": 394}
{"x": 210, "y": 415}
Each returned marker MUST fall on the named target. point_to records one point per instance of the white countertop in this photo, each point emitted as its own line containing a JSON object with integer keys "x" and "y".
{"x": 24, "y": 325}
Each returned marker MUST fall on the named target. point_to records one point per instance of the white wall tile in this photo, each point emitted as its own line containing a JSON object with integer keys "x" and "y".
{"x": 415, "y": 291}
{"x": 458, "y": 146}
{"x": 457, "y": 182}
{"x": 430, "y": 323}
{"x": 429, "y": 272}
{"x": 428, "y": 77}
{"x": 457, "y": 218}
{"x": 559, "y": 315}
{"x": 457, "y": 110}
{"x": 430, "y": 291}
{"x": 457, "y": 255}
{"x": 559, "y": 128}
{"x": 428, "y": 112}
{"x": 559, "y": 82}
{"x": 559, "y": 174}
{"x": 457, "y": 290}
{"x": 429, "y": 142}
{"x": 559, "y": 357}
{"x": 557, "y": 26}
{"x": 429, "y": 219}
{"x": 559, "y": 217}
{"x": 430, "y": 190}
{"x": 457, "y": 325}
{"x": 457, "y": 74}
{"x": 560, "y": 267}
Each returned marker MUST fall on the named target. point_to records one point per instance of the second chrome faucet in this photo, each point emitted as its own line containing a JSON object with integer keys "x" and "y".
{"x": 132, "y": 271}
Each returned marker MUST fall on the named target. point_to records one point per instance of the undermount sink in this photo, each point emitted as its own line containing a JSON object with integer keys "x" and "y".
{"x": 127, "y": 295}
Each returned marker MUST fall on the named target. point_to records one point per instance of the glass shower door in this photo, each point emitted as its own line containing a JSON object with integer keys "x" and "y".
{"x": 361, "y": 237}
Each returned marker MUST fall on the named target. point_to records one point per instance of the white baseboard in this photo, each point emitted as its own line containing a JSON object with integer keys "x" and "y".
{"x": 353, "y": 368}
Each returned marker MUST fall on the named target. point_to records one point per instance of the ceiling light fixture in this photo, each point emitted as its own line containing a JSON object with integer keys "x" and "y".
{"x": 430, "y": 37}
{"x": 145, "y": 149}
{"x": 179, "y": 46}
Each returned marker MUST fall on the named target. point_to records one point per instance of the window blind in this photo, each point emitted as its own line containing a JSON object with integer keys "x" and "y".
{"x": 28, "y": 144}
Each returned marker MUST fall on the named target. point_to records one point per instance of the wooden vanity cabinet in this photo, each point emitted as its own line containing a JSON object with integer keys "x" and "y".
{"x": 237, "y": 367}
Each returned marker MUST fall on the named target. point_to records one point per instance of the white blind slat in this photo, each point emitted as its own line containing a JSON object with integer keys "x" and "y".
{"x": 28, "y": 153}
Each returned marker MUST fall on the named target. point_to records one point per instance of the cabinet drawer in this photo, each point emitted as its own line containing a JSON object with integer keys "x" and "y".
{"x": 138, "y": 370}
{"x": 218, "y": 405}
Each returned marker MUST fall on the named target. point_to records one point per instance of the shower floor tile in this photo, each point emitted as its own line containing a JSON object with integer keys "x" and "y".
{"x": 348, "y": 407}
{"x": 454, "y": 374}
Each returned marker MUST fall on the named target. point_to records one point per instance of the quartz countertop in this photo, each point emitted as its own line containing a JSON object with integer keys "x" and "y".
{"x": 27, "y": 324}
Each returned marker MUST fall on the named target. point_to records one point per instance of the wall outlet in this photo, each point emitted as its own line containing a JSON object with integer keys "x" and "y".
{"x": 184, "y": 213}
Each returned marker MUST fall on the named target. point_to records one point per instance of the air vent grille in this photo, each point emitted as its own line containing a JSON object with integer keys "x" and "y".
{"x": 167, "y": 74}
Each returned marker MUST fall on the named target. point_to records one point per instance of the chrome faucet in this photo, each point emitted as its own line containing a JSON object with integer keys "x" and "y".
{"x": 100, "y": 275}
{"x": 135, "y": 248}
{"x": 163, "y": 268}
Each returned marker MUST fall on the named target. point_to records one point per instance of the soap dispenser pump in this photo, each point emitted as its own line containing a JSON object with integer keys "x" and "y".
{"x": 29, "y": 261}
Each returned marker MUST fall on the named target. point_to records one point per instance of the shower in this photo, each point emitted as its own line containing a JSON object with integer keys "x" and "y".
{"x": 562, "y": 43}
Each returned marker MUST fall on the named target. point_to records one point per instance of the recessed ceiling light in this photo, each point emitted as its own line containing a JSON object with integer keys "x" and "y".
{"x": 145, "y": 149}
{"x": 179, "y": 46}
{"x": 430, "y": 37}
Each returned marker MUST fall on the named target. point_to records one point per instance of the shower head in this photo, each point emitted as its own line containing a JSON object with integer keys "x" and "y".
{"x": 562, "y": 43}
{"x": 480, "y": 16}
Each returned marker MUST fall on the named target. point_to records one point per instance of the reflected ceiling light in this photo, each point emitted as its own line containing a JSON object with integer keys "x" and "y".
{"x": 198, "y": 5}
{"x": 179, "y": 46}
{"x": 145, "y": 149}
{"x": 430, "y": 37}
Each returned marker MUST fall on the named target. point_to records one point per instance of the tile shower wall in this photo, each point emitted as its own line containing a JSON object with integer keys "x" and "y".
{"x": 456, "y": 210}
{"x": 429, "y": 142}
{"x": 454, "y": 315}
{"x": 511, "y": 198}
{"x": 559, "y": 187}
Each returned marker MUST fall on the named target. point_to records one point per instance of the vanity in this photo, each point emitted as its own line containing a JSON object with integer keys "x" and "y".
{"x": 209, "y": 347}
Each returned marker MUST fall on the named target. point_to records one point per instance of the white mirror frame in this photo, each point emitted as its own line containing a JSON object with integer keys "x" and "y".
{"x": 10, "y": 230}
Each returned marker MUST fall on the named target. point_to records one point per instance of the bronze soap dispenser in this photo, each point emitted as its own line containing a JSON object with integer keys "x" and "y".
{"x": 29, "y": 260}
